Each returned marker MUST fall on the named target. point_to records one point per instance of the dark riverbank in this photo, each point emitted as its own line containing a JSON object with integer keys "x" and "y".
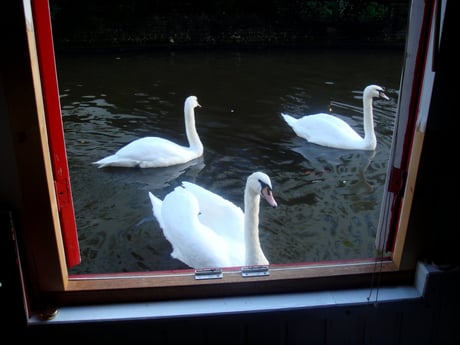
{"x": 143, "y": 24}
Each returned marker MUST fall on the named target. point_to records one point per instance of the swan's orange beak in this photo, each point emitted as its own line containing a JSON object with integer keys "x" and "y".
{"x": 382, "y": 95}
{"x": 268, "y": 195}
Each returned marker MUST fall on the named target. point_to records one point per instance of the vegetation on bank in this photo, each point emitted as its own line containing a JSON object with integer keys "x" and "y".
{"x": 243, "y": 23}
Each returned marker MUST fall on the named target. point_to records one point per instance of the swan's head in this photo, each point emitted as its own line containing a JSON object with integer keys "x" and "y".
{"x": 375, "y": 91}
{"x": 191, "y": 102}
{"x": 259, "y": 183}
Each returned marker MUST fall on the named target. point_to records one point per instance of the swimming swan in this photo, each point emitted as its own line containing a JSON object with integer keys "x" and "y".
{"x": 154, "y": 152}
{"x": 208, "y": 231}
{"x": 328, "y": 130}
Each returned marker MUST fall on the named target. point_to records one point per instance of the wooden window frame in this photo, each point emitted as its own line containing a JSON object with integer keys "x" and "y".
{"x": 41, "y": 244}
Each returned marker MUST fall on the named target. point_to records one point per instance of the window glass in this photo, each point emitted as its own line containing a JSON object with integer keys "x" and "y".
{"x": 329, "y": 199}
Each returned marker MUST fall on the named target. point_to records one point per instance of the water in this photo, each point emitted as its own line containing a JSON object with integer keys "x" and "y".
{"x": 329, "y": 200}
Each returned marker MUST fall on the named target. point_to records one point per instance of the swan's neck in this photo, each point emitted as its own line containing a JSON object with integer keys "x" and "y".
{"x": 191, "y": 132}
{"x": 369, "y": 134}
{"x": 254, "y": 253}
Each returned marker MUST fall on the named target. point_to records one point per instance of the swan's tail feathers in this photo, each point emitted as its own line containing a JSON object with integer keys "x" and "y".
{"x": 289, "y": 119}
{"x": 115, "y": 161}
{"x": 100, "y": 166}
{"x": 156, "y": 208}
{"x": 105, "y": 162}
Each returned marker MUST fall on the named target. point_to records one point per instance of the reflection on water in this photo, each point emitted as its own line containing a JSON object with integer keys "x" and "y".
{"x": 329, "y": 200}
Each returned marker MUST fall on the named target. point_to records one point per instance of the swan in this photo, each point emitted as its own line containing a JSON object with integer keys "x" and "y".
{"x": 154, "y": 152}
{"x": 207, "y": 230}
{"x": 331, "y": 131}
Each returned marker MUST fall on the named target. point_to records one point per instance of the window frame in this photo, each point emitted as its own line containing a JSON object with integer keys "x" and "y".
{"x": 41, "y": 250}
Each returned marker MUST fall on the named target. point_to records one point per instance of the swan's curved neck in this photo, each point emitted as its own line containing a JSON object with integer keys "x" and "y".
{"x": 254, "y": 254}
{"x": 368, "y": 122}
{"x": 191, "y": 132}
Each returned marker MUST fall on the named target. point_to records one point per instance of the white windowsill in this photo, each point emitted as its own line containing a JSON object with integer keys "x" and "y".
{"x": 238, "y": 305}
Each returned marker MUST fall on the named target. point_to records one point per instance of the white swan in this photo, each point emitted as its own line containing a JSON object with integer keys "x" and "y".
{"x": 328, "y": 130}
{"x": 154, "y": 152}
{"x": 208, "y": 231}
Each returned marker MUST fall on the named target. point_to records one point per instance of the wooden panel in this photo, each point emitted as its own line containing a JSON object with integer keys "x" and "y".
{"x": 344, "y": 330}
{"x": 444, "y": 306}
{"x": 306, "y": 331}
{"x": 381, "y": 327}
{"x": 226, "y": 332}
{"x": 265, "y": 330}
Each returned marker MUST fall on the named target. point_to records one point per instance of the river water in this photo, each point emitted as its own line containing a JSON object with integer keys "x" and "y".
{"x": 329, "y": 199}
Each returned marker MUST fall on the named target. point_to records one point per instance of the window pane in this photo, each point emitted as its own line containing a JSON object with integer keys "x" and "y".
{"x": 329, "y": 199}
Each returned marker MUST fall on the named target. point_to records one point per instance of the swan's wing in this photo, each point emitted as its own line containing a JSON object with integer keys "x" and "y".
{"x": 325, "y": 129}
{"x": 193, "y": 243}
{"x": 219, "y": 214}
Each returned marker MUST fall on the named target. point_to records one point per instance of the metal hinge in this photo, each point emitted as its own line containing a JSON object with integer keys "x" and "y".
{"x": 62, "y": 187}
{"x": 208, "y": 273}
{"x": 255, "y": 271}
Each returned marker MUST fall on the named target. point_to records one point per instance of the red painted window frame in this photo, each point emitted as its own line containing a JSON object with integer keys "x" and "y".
{"x": 48, "y": 77}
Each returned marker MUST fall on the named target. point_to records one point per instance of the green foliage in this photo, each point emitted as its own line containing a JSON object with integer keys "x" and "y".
{"x": 374, "y": 11}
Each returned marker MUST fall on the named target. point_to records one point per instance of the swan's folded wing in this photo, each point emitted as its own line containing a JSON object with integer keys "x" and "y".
{"x": 326, "y": 130}
{"x": 153, "y": 149}
{"x": 193, "y": 243}
{"x": 219, "y": 214}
